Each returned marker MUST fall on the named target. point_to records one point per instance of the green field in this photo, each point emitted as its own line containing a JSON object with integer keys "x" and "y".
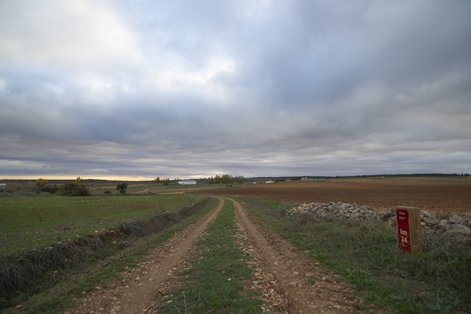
{"x": 30, "y": 221}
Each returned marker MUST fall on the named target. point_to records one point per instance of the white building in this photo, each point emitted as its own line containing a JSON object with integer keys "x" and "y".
{"x": 187, "y": 182}
{"x": 3, "y": 186}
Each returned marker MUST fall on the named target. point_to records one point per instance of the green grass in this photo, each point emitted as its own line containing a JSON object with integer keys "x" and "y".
{"x": 55, "y": 295}
{"x": 214, "y": 283}
{"x": 29, "y": 221}
{"x": 438, "y": 280}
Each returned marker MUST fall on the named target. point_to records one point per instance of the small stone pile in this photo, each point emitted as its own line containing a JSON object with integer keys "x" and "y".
{"x": 454, "y": 226}
{"x": 337, "y": 210}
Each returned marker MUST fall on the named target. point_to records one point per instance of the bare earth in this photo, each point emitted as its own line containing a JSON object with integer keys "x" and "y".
{"x": 436, "y": 195}
{"x": 288, "y": 281}
{"x": 138, "y": 288}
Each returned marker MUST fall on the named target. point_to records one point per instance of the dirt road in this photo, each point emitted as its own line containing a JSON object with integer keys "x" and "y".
{"x": 139, "y": 286}
{"x": 288, "y": 281}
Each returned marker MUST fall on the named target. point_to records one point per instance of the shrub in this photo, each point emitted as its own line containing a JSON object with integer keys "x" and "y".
{"x": 122, "y": 187}
{"x": 50, "y": 189}
{"x": 107, "y": 192}
{"x": 41, "y": 182}
{"x": 73, "y": 189}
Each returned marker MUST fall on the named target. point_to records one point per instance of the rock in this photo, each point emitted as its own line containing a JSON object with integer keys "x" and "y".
{"x": 456, "y": 219}
{"x": 459, "y": 230}
{"x": 456, "y": 225}
{"x": 339, "y": 210}
{"x": 426, "y": 214}
{"x": 440, "y": 228}
{"x": 430, "y": 221}
{"x": 390, "y": 213}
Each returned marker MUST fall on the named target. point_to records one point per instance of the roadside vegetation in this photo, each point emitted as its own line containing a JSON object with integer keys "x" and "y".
{"x": 27, "y": 272}
{"x": 438, "y": 280}
{"x": 215, "y": 281}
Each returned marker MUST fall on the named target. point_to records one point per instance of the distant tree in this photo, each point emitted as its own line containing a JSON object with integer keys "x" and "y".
{"x": 166, "y": 181}
{"x": 157, "y": 180}
{"x": 78, "y": 181}
{"x": 121, "y": 187}
{"x": 41, "y": 182}
{"x": 217, "y": 179}
{"x": 226, "y": 179}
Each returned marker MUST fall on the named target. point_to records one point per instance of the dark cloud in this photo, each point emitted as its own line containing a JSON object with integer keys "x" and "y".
{"x": 102, "y": 89}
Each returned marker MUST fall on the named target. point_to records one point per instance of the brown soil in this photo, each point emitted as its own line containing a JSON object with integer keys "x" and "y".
{"x": 437, "y": 195}
{"x": 138, "y": 288}
{"x": 288, "y": 280}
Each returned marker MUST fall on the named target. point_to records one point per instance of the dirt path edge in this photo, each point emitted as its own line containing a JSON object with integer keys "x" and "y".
{"x": 305, "y": 286}
{"x": 137, "y": 290}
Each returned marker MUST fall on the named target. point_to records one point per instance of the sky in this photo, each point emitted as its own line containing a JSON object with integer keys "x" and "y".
{"x": 191, "y": 89}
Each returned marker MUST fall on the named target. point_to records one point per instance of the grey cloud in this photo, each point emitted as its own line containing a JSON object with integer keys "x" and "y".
{"x": 268, "y": 88}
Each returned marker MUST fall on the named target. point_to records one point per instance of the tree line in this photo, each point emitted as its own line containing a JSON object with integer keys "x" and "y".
{"x": 226, "y": 179}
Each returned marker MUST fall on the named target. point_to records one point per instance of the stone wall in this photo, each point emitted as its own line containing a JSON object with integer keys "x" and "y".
{"x": 455, "y": 225}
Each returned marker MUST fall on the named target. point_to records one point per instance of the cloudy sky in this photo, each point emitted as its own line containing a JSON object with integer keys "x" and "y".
{"x": 140, "y": 89}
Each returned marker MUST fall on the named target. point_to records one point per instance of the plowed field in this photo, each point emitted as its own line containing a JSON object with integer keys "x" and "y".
{"x": 437, "y": 195}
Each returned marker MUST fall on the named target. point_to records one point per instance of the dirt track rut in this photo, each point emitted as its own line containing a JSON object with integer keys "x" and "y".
{"x": 140, "y": 286}
{"x": 288, "y": 281}
{"x": 290, "y": 278}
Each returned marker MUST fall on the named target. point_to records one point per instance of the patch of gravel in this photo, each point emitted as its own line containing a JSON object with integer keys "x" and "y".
{"x": 262, "y": 279}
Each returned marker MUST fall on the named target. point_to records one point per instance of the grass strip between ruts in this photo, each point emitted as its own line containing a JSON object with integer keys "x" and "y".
{"x": 215, "y": 281}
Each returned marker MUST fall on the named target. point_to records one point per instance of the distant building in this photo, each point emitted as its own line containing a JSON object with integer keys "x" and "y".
{"x": 269, "y": 182}
{"x": 3, "y": 186}
{"x": 187, "y": 182}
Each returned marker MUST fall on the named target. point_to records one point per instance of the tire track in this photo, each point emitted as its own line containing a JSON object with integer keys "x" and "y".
{"x": 288, "y": 279}
{"x": 138, "y": 288}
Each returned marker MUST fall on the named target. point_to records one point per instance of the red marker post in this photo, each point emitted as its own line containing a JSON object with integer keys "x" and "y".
{"x": 409, "y": 229}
